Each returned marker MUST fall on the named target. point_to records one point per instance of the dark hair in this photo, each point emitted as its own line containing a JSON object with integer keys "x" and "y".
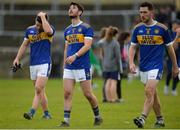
{"x": 147, "y": 4}
{"x": 38, "y": 18}
{"x": 111, "y": 32}
{"x": 79, "y": 6}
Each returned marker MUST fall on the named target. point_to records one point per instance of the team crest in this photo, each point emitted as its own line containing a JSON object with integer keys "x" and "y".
{"x": 148, "y": 31}
{"x": 73, "y": 30}
{"x": 156, "y": 31}
{"x": 80, "y": 30}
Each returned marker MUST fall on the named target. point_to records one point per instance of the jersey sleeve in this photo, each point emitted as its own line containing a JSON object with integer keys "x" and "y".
{"x": 26, "y": 34}
{"x": 167, "y": 38}
{"x": 134, "y": 37}
{"x": 65, "y": 39}
{"x": 89, "y": 33}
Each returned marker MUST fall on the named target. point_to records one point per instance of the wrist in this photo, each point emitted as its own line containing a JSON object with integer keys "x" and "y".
{"x": 76, "y": 55}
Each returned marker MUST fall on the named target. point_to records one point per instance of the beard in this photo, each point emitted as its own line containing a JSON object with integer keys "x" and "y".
{"x": 73, "y": 17}
{"x": 145, "y": 20}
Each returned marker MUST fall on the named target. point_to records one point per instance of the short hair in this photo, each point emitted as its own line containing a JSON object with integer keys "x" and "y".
{"x": 147, "y": 4}
{"x": 38, "y": 18}
{"x": 79, "y": 6}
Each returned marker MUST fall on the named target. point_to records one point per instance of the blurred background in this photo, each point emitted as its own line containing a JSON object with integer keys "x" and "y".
{"x": 17, "y": 15}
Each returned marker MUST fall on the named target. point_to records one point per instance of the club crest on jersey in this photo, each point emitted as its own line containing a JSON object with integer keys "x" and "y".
{"x": 80, "y": 30}
{"x": 73, "y": 30}
{"x": 156, "y": 31}
{"x": 148, "y": 30}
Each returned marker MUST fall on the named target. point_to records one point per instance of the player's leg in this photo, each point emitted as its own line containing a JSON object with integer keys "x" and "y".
{"x": 29, "y": 115}
{"x": 39, "y": 86}
{"x": 87, "y": 91}
{"x": 44, "y": 104}
{"x": 150, "y": 90}
{"x": 148, "y": 103}
{"x": 33, "y": 74}
{"x": 68, "y": 83}
{"x": 157, "y": 110}
{"x": 39, "y": 90}
{"x": 150, "y": 79}
{"x": 43, "y": 74}
{"x": 68, "y": 93}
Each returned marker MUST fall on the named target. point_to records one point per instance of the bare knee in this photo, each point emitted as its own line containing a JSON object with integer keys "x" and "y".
{"x": 67, "y": 94}
{"x": 149, "y": 92}
{"x": 38, "y": 90}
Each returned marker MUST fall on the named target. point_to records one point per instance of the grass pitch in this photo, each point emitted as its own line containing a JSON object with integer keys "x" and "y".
{"x": 16, "y": 97}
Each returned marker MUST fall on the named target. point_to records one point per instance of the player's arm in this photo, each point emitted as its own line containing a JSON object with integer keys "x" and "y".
{"x": 132, "y": 66}
{"x": 46, "y": 26}
{"x": 21, "y": 51}
{"x": 84, "y": 49}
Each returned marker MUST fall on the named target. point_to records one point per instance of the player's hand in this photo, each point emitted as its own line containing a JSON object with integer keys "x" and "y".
{"x": 16, "y": 65}
{"x": 70, "y": 59}
{"x": 16, "y": 62}
{"x": 41, "y": 14}
{"x": 175, "y": 71}
{"x": 132, "y": 68}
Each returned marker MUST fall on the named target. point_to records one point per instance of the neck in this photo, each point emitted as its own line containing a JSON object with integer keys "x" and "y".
{"x": 150, "y": 22}
{"x": 75, "y": 21}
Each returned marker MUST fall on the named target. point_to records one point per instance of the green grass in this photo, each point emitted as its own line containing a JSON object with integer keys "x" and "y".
{"x": 16, "y": 98}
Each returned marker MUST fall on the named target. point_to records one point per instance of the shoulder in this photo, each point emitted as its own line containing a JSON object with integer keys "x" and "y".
{"x": 30, "y": 27}
{"x": 162, "y": 26}
{"x": 67, "y": 27}
{"x": 86, "y": 25}
{"x": 138, "y": 25}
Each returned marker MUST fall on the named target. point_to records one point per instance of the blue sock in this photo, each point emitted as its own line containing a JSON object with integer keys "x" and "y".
{"x": 32, "y": 111}
{"x": 67, "y": 114}
{"x": 46, "y": 113}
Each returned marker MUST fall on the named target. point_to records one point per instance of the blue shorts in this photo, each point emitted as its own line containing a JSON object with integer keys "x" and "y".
{"x": 111, "y": 75}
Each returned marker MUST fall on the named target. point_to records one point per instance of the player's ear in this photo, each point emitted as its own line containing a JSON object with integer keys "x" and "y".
{"x": 80, "y": 12}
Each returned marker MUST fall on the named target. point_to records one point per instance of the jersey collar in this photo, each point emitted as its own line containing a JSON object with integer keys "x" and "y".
{"x": 153, "y": 23}
{"x": 75, "y": 25}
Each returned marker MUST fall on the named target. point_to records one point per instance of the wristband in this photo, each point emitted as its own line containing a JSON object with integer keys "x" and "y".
{"x": 76, "y": 55}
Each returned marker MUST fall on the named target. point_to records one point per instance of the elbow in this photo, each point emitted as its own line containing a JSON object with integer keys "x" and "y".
{"x": 49, "y": 32}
